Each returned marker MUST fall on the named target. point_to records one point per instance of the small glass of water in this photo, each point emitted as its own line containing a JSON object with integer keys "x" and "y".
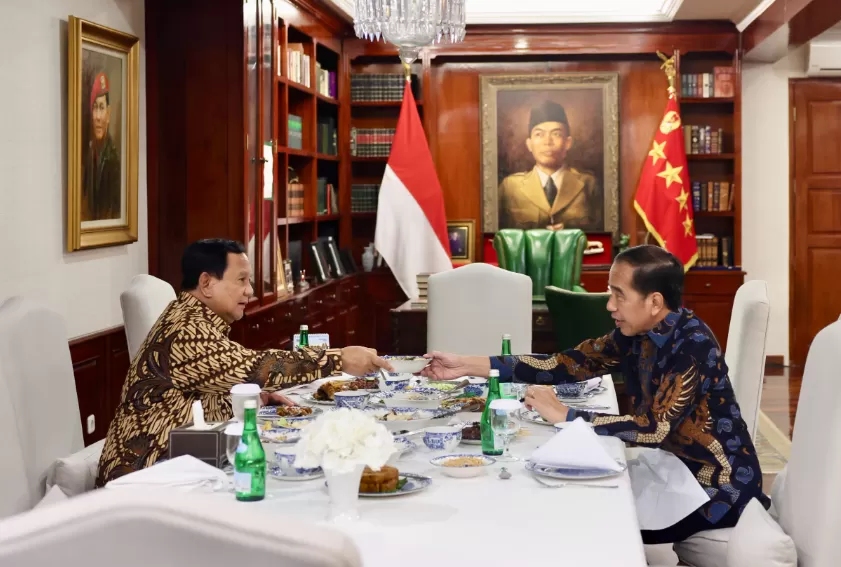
{"x": 503, "y": 425}
{"x": 233, "y": 434}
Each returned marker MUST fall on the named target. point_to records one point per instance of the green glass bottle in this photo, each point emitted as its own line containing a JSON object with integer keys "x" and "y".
{"x": 507, "y": 390}
{"x": 250, "y": 460}
{"x": 491, "y": 444}
{"x": 506, "y": 345}
{"x": 305, "y": 336}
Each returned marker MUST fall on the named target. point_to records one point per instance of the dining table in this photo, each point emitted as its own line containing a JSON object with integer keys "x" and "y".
{"x": 485, "y": 520}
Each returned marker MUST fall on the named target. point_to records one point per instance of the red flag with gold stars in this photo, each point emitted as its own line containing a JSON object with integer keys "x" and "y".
{"x": 664, "y": 195}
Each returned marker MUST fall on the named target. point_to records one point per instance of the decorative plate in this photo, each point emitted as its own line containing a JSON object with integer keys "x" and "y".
{"x": 532, "y": 417}
{"x": 571, "y": 473}
{"x": 310, "y": 399}
{"x": 276, "y": 473}
{"x": 477, "y": 442}
{"x": 587, "y": 396}
{"x": 279, "y": 436}
{"x": 269, "y": 412}
{"x": 413, "y": 483}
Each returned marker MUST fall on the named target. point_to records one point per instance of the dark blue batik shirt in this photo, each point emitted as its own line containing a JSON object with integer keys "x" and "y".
{"x": 681, "y": 399}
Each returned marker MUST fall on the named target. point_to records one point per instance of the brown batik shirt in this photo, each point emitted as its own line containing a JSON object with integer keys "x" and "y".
{"x": 188, "y": 356}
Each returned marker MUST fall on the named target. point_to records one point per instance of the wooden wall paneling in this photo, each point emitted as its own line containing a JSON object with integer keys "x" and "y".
{"x": 100, "y": 365}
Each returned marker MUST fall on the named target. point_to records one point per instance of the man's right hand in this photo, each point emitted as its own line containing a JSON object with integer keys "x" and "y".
{"x": 445, "y": 366}
{"x": 359, "y": 361}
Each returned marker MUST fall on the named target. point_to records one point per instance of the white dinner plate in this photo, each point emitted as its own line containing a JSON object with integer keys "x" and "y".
{"x": 571, "y": 473}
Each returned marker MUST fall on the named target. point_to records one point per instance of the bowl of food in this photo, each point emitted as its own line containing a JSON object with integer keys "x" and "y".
{"x": 290, "y": 423}
{"x": 442, "y": 438}
{"x": 285, "y": 458}
{"x": 463, "y": 465}
{"x": 397, "y": 382}
{"x": 269, "y": 412}
{"x": 354, "y": 399}
{"x": 407, "y": 364}
{"x": 408, "y": 419}
{"x": 410, "y": 399}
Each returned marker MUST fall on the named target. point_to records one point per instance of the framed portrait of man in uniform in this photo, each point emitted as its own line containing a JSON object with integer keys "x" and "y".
{"x": 550, "y": 151}
{"x": 102, "y": 148}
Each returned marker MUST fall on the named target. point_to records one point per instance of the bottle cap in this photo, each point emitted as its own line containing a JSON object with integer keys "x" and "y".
{"x": 506, "y": 336}
{"x": 305, "y": 327}
{"x": 493, "y": 373}
{"x": 250, "y": 404}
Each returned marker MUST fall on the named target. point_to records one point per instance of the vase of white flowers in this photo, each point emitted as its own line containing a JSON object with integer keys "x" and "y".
{"x": 343, "y": 443}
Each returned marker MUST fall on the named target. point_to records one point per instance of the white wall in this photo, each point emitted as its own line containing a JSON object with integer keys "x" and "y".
{"x": 765, "y": 179}
{"x": 83, "y": 286}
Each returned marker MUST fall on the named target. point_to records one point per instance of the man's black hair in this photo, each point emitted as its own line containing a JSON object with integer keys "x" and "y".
{"x": 655, "y": 270}
{"x": 210, "y": 255}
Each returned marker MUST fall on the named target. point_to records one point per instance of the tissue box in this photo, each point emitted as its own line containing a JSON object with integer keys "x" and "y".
{"x": 207, "y": 445}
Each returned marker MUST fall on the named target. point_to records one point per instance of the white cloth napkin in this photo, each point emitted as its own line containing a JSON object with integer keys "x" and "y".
{"x": 185, "y": 473}
{"x": 592, "y": 384}
{"x": 664, "y": 489}
{"x": 576, "y": 446}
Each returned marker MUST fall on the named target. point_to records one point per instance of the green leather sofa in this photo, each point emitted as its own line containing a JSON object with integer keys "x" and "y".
{"x": 548, "y": 257}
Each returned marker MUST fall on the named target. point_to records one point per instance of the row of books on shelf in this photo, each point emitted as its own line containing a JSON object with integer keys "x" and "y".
{"x": 328, "y": 136}
{"x": 327, "y": 198}
{"x": 298, "y": 64}
{"x": 371, "y": 142}
{"x": 703, "y": 139}
{"x": 713, "y": 251}
{"x": 363, "y": 197}
{"x": 718, "y": 84}
{"x": 380, "y": 87}
{"x": 713, "y": 195}
{"x": 326, "y": 82}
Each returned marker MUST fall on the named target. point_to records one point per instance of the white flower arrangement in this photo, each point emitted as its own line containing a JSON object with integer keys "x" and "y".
{"x": 341, "y": 440}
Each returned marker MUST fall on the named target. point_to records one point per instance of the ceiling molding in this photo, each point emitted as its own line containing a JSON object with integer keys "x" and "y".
{"x": 343, "y": 7}
{"x": 755, "y": 13}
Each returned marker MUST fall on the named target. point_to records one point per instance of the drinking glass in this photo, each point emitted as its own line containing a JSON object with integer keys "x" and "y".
{"x": 503, "y": 425}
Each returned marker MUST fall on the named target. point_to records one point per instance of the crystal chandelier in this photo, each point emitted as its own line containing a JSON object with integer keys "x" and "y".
{"x": 410, "y": 24}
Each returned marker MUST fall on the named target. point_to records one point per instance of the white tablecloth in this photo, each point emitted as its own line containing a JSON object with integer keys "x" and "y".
{"x": 483, "y": 520}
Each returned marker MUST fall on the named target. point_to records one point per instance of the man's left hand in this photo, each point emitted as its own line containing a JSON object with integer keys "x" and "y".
{"x": 543, "y": 400}
{"x": 275, "y": 399}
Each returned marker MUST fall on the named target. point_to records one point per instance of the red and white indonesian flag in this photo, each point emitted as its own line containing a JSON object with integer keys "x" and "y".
{"x": 411, "y": 229}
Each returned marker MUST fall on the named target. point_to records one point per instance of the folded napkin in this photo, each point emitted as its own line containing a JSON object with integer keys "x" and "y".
{"x": 592, "y": 384}
{"x": 185, "y": 473}
{"x": 665, "y": 490}
{"x": 576, "y": 446}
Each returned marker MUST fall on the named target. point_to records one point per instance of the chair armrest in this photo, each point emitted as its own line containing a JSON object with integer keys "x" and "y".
{"x": 579, "y": 289}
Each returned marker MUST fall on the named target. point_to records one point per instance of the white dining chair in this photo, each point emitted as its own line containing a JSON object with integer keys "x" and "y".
{"x": 745, "y": 351}
{"x": 40, "y": 427}
{"x": 807, "y": 497}
{"x": 142, "y": 303}
{"x": 471, "y": 307}
{"x": 139, "y": 528}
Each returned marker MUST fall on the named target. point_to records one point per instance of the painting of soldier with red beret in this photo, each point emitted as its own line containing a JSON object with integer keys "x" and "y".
{"x": 103, "y": 131}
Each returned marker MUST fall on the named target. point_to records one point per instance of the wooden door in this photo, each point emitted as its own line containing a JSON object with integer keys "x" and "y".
{"x": 815, "y": 299}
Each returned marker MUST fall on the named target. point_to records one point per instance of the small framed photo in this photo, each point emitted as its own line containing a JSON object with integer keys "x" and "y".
{"x": 319, "y": 261}
{"x": 461, "y": 234}
{"x": 333, "y": 257}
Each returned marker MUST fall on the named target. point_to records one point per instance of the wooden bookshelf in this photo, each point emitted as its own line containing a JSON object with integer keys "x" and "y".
{"x": 713, "y": 170}
{"x": 364, "y": 114}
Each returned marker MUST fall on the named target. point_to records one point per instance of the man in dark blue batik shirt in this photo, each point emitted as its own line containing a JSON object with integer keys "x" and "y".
{"x": 681, "y": 397}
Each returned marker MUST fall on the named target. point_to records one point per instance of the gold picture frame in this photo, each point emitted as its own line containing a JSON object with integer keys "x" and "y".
{"x": 103, "y": 91}
{"x": 462, "y": 237}
{"x": 514, "y": 193}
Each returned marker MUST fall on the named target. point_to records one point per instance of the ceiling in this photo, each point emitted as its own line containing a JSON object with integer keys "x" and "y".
{"x": 600, "y": 11}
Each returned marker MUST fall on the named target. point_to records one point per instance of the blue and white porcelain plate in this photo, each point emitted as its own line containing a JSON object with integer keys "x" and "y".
{"x": 414, "y": 483}
{"x": 308, "y": 398}
{"x": 276, "y": 473}
{"x": 571, "y": 473}
{"x": 275, "y": 435}
{"x": 270, "y": 412}
{"x": 532, "y": 417}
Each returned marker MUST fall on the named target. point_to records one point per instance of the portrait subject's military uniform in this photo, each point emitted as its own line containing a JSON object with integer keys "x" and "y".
{"x": 523, "y": 202}
{"x": 101, "y": 191}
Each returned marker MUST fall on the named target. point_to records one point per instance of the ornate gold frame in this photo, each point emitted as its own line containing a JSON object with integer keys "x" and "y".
{"x": 471, "y": 239}
{"x": 78, "y": 32}
{"x": 491, "y": 84}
